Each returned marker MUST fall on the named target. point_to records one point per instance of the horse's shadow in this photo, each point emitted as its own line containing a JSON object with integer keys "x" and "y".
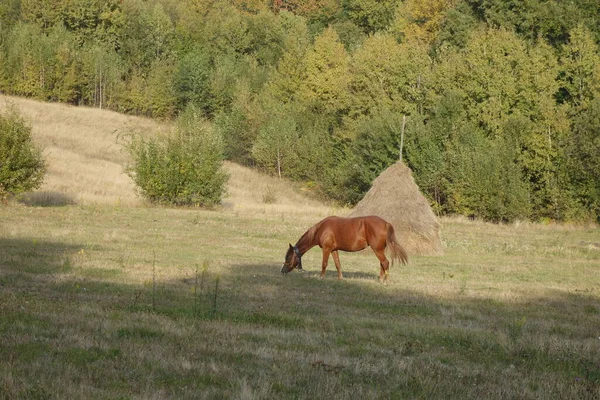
{"x": 312, "y": 273}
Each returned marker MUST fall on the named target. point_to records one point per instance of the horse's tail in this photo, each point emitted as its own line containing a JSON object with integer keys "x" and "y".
{"x": 396, "y": 250}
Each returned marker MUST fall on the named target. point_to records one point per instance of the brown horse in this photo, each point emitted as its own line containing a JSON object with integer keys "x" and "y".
{"x": 347, "y": 234}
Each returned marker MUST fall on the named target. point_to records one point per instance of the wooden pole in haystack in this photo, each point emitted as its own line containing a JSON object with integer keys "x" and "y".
{"x": 402, "y": 135}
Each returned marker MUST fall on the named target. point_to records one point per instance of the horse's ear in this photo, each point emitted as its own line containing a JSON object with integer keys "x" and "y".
{"x": 291, "y": 247}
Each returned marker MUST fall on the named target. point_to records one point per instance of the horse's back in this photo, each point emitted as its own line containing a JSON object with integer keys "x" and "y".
{"x": 372, "y": 219}
{"x": 352, "y": 234}
{"x": 355, "y": 224}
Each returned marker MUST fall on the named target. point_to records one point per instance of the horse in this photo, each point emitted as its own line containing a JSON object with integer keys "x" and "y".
{"x": 347, "y": 234}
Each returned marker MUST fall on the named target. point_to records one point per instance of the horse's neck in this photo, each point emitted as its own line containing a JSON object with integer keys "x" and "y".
{"x": 306, "y": 241}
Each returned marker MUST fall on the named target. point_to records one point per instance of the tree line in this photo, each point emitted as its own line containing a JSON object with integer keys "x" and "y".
{"x": 499, "y": 100}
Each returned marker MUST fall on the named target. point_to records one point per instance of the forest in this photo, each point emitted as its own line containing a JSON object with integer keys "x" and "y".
{"x": 497, "y": 101}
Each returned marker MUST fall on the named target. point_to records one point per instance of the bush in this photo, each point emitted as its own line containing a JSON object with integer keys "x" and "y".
{"x": 182, "y": 169}
{"x": 22, "y": 167}
{"x": 485, "y": 181}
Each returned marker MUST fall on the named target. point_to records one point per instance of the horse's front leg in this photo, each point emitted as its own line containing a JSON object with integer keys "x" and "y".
{"x": 338, "y": 265}
{"x": 326, "y": 252}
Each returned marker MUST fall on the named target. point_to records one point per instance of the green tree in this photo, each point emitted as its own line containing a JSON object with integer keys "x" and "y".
{"x": 314, "y": 148}
{"x": 238, "y": 136}
{"x": 428, "y": 144}
{"x": 327, "y": 78}
{"x": 501, "y": 78}
{"x": 461, "y": 169}
{"x": 64, "y": 73}
{"x": 43, "y": 13}
{"x": 228, "y": 70}
{"x": 192, "y": 79}
{"x": 455, "y": 29}
{"x": 225, "y": 30}
{"x": 582, "y": 157}
{"x": 370, "y": 15}
{"x": 182, "y": 169}
{"x": 160, "y": 94}
{"x": 376, "y": 147}
{"x": 385, "y": 74}
{"x": 580, "y": 68}
{"x": 22, "y": 166}
{"x": 240, "y": 123}
{"x": 485, "y": 181}
{"x": 94, "y": 20}
{"x": 290, "y": 73}
{"x": 533, "y": 19}
{"x": 315, "y": 11}
{"x": 266, "y": 35}
{"x": 10, "y": 11}
{"x": 275, "y": 147}
{"x": 27, "y": 62}
{"x": 148, "y": 34}
{"x": 350, "y": 35}
{"x": 103, "y": 72}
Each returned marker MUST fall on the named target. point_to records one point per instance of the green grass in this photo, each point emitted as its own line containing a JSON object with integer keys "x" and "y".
{"x": 109, "y": 302}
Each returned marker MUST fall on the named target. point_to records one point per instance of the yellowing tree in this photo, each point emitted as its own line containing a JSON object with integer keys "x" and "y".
{"x": 388, "y": 75}
{"x": 327, "y": 74}
{"x": 420, "y": 20}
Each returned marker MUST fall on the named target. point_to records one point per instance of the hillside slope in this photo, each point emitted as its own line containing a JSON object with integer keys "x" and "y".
{"x": 85, "y": 162}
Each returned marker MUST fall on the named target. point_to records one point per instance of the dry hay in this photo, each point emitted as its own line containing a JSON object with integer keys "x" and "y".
{"x": 395, "y": 197}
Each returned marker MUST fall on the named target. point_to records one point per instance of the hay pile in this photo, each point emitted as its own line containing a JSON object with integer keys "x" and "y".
{"x": 396, "y": 198}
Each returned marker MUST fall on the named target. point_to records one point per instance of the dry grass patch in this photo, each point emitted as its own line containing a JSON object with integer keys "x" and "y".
{"x": 86, "y": 160}
{"x": 251, "y": 191}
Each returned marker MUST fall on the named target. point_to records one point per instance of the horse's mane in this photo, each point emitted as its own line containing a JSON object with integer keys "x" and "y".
{"x": 309, "y": 236}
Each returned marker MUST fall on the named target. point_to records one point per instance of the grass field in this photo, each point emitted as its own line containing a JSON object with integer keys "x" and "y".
{"x": 113, "y": 299}
{"x": 114, "y": 302}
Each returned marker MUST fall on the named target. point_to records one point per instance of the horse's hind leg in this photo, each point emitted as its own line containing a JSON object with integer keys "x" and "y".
{"x": 338, "y": 265}
{"x": 326, "y": 252}
{"x": 384, "y": 275}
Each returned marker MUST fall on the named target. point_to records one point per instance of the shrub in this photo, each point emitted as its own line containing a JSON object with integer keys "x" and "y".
{"x": 181, "y": 169}
{"x": 22, "y": 166}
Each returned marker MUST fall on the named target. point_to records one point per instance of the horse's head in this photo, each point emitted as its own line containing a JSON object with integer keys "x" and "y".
{"x": 293, "y": 259}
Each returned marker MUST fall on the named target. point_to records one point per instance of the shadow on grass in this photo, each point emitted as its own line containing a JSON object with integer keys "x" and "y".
{"x": 297, "y": 317}
{"x": 46, "y": 199}
{"x": 35, "y": 256}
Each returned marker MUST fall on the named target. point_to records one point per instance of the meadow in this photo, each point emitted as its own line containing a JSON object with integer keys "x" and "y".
{"x": 102, "y": 297}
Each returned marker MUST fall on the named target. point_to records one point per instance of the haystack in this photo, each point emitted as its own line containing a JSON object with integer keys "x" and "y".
{"x": 396, "y": 198}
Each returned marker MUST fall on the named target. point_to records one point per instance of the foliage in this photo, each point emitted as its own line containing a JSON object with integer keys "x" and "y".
{"x": 325, "y": 85}
{"x": 487, "y": 182}
{"x": 102, "y": 80}
{"x": 419, "y": 20}
{"x": 275, "y": 147}
{"x": 582, "y": 157}
{"x": 181, "y": 169}
{"x": 22, "y": 166}
{"x": 376, "y": 147}
{"x": 580, "y": 69}
{"x": 192, "y": 79}
{"x": 532, "y": 19}
{"x": 312, "y": 81}
{"x": 371, "y": 15}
